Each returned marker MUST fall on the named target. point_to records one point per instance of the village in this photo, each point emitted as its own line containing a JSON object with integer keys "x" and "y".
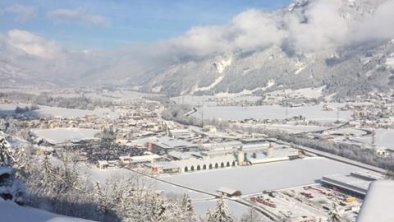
{"x": 133, "y": 136}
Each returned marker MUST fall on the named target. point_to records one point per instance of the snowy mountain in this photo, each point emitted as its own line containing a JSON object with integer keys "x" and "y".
{"x": 345, "y": 64}
{"x": 344, "y": 45}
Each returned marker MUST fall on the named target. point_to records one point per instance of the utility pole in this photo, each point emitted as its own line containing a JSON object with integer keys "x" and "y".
{"x": 286, "y": 104}
{"x": 182, "y": 93}
{"x": 373, "y": 138}
{"x": 202, "y": 116}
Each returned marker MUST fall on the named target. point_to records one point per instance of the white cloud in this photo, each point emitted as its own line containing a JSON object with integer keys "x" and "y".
{"x": 22, "y": 13}
{"x": 378, "y": 25}
{"x": 316, "y": 26}
{"x": 32, "y": 44}
{"x": 250, "y": 30}
{"x": 79, "y": 16}
{"x": 256, "y": 29}
{"x": 322, "y": 28}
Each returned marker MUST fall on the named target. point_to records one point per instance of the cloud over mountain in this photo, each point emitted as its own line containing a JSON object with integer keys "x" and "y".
{"x": 32, "y": 44}
{"x": 288, "y": 36}
{"x": 311, "y": 27}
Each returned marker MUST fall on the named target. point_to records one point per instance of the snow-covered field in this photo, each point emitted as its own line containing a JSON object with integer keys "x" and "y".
{"x": 74, "y": 113}
{"x": 271, "y": 176}
{"x": 383, "y": 138}
{"x": 292, "y": 128}
{"x": 201, "y": 202}
{"x": 63, "y": 112}
{"x": 211, "y": 100}
{"x": 7, "y": 109}
{"x": 11, "y": 212}
{"x": 249, "y": 180}
{"x": 61, "y": 135}
{"x": 271, "y": 112}
{"x": 120, "y": 95}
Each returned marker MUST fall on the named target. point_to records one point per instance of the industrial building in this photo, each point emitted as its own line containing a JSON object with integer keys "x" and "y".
{"x": 164, "y": 145}
{"x": 356, "y": 183}
{"x": 191, "y": 165}
{"x": 378, "y": 203}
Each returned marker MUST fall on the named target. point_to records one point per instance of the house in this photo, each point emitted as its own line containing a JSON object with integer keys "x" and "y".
{"x": 102, "y": 164}
{"x": 382, "y": 152}
{"x": 180, "y": 133}
{"x": 164, "y": 145}
{"x": 228, "y": 192}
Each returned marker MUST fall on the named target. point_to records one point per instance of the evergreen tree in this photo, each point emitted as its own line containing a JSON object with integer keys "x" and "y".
{"x": 47, "y": 177}
{"x": 389, "y": 175}
{"x": 102, "y": 206}
{"x": 220, "y": 213}
{"x": 253, "y": 216}
{"x": 187, "y": 204}
{"x": 5, "y": 157}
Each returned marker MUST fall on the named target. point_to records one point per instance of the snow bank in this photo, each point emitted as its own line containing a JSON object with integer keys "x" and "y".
{"x": 9, "y": 211}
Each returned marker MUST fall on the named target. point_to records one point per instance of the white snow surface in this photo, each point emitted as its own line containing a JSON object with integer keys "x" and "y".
{"x": 11, "y": 212}
{"x": 294, "y": 128}
{"x": 223, "y": 64}
{"x": 314, "y": 112}
{"x": 61, "y": 135}
{"x": 269, "y": 176}
{"x": 249, "y": 180}
{"x": 63, "y": 112}
{"x": 378, "y": 203}
{"x": 383, "y": 138}
{"x": 206, "y": 88}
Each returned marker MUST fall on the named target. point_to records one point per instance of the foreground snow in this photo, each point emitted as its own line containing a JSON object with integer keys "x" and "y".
{"x": 10, "y": 211}
{"x": 249, "y": 180}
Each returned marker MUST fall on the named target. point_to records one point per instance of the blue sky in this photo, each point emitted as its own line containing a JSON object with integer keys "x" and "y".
{"x": 103, "y": 24}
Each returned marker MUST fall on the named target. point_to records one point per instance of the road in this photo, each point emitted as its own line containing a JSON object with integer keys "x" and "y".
{"x": 334, "y": 157}
{"x": 213, "y": 195}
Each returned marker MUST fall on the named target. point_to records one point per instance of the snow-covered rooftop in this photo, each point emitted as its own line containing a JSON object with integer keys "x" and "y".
{"x": 378, "y": 205}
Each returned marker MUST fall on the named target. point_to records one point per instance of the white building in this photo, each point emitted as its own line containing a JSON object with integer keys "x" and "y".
{"x": 191, "y": 165}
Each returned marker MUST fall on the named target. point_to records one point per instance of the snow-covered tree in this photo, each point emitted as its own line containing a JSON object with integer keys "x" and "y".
{"x": 10, "y": 187}
{"x": 187, "y": 204}
{"x": 5, "y": 156}
{"x": 253, "y": 216}
{"x": 389, "y": 175}
{"x": 220, "y": 214}
{"x": 102, "y": 203}
{"x": 187, "y": 209}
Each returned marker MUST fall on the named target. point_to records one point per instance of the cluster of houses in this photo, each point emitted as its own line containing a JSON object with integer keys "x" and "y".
{"x": 179, "y": 152}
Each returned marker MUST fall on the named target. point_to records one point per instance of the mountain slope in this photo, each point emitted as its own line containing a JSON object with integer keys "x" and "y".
{"x": 350, "y": 68}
